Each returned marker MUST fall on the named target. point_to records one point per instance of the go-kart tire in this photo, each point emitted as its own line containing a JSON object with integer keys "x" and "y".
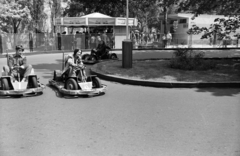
{"x": 71, "y": 84}
{"x": 93, "y": 58}
{"x": 5, "y": 84}
{"x": 96, "y": 83}
{"x": 54, "y": 75}
{"x": 33, "y": 82}
{"x": 113, "y": 56}
{"x": 85, "y": 57}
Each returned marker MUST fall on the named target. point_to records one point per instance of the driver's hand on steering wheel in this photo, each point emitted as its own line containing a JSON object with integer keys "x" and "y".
{"x": 17, "y": 67}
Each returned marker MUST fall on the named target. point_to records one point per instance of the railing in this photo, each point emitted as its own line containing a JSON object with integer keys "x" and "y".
{"x": 33, "y": 42}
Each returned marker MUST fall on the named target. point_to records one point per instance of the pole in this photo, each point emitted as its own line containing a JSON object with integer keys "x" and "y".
{"x": 127, "y": 21}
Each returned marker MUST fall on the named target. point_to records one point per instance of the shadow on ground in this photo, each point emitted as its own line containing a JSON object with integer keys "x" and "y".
{"x": 220, "y": 91}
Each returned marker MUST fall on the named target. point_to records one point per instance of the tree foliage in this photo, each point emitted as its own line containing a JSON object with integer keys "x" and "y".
{"x": 221, "y": 27}
{"x": 221, "y": 7}
{"x": 146, "y": 11}
{"x": 12, "y": 14}
{"x": 108, "y": 7}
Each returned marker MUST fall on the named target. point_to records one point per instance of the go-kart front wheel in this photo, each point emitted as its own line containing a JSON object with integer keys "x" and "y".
{"x": 33, "y": 82}
{"x": 93, "y": 58}
{"x": 71, "y": 84}
{"x": 85, "y": 57}
{"x": 96, "y": 83}
{"x": 5, "y": 84}
{"x": 113, "y": 56}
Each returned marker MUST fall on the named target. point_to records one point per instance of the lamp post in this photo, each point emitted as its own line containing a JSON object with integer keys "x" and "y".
{"x": 127, "y": 46}
{"x": 127, "y": 12}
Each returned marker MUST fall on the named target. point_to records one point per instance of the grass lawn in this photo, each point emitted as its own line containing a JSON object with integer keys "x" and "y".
{"x": 159, "y": 70}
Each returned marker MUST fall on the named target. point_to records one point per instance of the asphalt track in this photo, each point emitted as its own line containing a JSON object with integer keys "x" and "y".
{"x": 126, "y": 121}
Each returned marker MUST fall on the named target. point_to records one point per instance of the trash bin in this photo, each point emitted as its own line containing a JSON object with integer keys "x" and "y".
{"x": 127, "y": 47}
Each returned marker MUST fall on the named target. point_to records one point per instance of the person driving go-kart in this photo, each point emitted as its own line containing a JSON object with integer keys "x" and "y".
{"x": 73, "y": 64}
{"x": 17, "y": 64}
{"x": 102, "y": 49}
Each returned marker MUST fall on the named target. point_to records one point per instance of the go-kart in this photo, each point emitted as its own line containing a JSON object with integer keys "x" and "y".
{"x": 78, "y": 84}
{"x": 95, "y": 57}
{"x": 16, "y": 86}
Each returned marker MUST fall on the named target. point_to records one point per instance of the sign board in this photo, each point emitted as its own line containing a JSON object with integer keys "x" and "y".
{"x": 101, "y": 21}
{"x": 74, "y": 21}
{"x": 79, "y": 21}
{"x": 122, "y": 21}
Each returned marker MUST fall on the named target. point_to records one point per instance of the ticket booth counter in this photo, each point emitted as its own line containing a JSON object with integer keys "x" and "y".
{"x": 94, "y": 20}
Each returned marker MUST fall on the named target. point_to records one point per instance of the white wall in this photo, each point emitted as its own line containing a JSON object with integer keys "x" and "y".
{"x": 120, "y": 35}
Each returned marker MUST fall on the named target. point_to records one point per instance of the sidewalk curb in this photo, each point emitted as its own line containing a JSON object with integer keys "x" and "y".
{"x": 166, "y": 84}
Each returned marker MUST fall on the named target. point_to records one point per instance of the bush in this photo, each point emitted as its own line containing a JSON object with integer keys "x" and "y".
{"x": 189, "y": 60}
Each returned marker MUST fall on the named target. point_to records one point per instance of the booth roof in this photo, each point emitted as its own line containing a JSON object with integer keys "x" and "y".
{"x": 97, "y": 15}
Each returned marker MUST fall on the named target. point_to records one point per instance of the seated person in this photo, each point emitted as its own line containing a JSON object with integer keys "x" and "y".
{"x": 17, "y": 63}
{"x": 73, "y": 63}
{"x": 101, "y": 50}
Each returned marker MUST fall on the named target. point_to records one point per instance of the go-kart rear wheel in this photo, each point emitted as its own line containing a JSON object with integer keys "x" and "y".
{"x": 96, "y": 83}
{"x": 5, "y": 84}
{"x": 71, "y": 84}
{"x": 33, "y": 82}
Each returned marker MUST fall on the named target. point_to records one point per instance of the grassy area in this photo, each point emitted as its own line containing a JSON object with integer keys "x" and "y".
{"x": 159, "y": 70}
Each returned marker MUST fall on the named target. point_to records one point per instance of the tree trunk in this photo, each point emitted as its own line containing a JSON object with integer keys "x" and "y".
{"x": 214, "y": 39}
{"x": 165, "y": 11}
{"x": 15, "y": 32}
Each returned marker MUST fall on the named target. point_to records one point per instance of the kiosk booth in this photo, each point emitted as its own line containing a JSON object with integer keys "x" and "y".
{"x": 82, "y": 31}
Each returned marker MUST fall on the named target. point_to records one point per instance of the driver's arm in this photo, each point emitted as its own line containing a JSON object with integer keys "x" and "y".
{"x": 71, "y": 62}
{"x": 11, "y": 62}
{"x": 23, "y": 62}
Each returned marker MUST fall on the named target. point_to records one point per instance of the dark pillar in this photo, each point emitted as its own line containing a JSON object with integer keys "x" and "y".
{"x": 127, "y": 47}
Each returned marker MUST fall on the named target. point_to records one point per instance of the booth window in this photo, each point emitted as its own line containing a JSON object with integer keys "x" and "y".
{"x": 182, "y": 21}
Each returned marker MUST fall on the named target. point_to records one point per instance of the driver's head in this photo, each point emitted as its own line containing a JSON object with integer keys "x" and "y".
{"x": 77, "y": 53}
{"x": 19, "y": 49}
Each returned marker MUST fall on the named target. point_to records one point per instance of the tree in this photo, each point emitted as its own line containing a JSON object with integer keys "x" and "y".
{"x": 12, "y": 14}
{"x": 38, "y": 15}
{"x": 222, "y": 26}
{"x": 221, "y": 7}
{"x": 166, "y": 7}
{"x": 146, "y": 11}
{"x": 108, "y": 7}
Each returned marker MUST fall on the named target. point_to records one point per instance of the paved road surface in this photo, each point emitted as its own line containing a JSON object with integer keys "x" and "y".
{"x": 126, "y": 121}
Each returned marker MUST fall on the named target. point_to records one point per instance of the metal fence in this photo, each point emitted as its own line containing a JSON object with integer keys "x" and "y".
{"x": 35, "y": 42}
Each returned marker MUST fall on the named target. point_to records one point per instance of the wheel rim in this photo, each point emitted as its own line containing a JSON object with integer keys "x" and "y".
{"x": 86, "y": 58}
{"x": 70, "y": 86}
{"x": 113, "y": 57}
{"x": 93, "y": 58}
